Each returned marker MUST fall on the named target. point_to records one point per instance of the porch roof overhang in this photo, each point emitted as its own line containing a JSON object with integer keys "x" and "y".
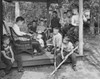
{"x": 50, "y": 1}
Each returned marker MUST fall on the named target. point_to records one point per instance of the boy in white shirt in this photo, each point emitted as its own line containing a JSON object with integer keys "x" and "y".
{"x": 66, "y": 48}
{"x": 57, "y": 38}
{"x": 75, "y": 17}
{"x": 73, "y": 33}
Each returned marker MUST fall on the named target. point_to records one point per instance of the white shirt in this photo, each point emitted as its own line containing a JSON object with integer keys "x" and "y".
{"x": 41, "y": 42}
{"x": 57, "y": 40}
{"x": 69, "y": 47}
{"x": 75, "y": 20}
{"x": 63, "y": 21}
{"x": 17, "y": 30}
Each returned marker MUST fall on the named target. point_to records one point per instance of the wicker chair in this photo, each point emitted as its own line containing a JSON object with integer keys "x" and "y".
{"x": 21, "y": 46}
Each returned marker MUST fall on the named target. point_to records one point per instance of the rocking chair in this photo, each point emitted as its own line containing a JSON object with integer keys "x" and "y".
{"x": 20, "y": 45}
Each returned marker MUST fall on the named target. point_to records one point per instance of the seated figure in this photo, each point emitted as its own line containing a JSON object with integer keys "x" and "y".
{"x": 34, "y": 42}
{"x": 66, "y": 48}
{"x": 32, "y": 26}
{"x": 40, "y": 40}
{"x": 41, "y": 30}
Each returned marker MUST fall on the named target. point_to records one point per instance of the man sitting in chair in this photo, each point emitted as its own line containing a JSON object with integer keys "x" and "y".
{"x": 19, "y": 22}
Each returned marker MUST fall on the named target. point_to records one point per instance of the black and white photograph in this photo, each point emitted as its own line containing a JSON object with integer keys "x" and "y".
{"x": 50, "y": 39}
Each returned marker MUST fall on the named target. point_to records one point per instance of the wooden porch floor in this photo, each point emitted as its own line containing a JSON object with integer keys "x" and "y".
{"x": 28, "y": 60}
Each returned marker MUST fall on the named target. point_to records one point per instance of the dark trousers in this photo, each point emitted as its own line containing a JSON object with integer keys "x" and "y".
{"x": 7, "y": 62}
{"x": 37, "y": 46}
{"x": 64, "y": 30}
{"x": 18, "y": 60}
{"x": 44, "y": 38}
{"x": 72, "y": 57}
{"x": 17, "y": 56}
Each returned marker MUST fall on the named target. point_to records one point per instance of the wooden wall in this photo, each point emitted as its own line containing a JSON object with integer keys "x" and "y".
{"x": 0, "y": 26}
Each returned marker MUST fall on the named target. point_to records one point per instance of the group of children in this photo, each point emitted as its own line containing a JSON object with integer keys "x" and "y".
{"x": 9, "y": 51}
{"x": 68, "y": 23}
{"x": 63, "y": 39}
{"x": 62, "y": 43}
{"x": 63, "y": 47}
{"x": 39, "y": 28}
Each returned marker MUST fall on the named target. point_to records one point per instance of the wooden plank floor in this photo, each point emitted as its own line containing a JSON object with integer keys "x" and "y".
{"x": 28, "y": 60}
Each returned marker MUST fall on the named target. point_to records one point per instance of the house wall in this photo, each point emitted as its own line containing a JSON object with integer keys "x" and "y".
{"x": 0, "y": 27}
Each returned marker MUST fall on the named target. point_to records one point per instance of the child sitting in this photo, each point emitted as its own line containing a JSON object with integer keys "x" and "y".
{"x": 66, "y": 48}
{"x": 41, "y": 30}
{"x": 7, "y": 54}
{"x": 40, "y": 40}
{"x": 57, "y": 39}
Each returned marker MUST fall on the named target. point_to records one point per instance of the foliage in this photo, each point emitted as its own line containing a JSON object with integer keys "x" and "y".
{"x": 8, "y": 11}
{"x": 29, "y": 10}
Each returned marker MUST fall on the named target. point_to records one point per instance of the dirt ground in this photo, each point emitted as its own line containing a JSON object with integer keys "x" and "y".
{"x": 84, "y": 69}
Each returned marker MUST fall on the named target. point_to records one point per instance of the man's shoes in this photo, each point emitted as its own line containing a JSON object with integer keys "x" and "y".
{"x": 74, "y": 68}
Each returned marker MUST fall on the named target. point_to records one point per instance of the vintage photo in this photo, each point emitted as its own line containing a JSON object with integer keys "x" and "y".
{"x": 50, "y": 39}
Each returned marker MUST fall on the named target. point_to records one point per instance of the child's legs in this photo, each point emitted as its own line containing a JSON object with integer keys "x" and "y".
{"x": 18, "y": 59}
{"x": 8, "y": 64}
{"x": 58, "y": 59}
{"x": 44, "y": 38}
{"x": 73, "y": 59}
{"x": 37, "y": 47}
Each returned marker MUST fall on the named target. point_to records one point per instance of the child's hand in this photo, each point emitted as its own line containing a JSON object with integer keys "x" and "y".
{"x": 12, "y": 60}
{"x": 29, "y": 34}
{"x": 63, "y": 57}
{"x": 58, "y": 49}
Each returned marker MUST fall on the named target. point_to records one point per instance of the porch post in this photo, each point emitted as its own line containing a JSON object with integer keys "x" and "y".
{"x": 48, "y": 17}
{"x": 17, "y": 9}
{"x": 81, "y": 27}
{"x": 99, "y": 19}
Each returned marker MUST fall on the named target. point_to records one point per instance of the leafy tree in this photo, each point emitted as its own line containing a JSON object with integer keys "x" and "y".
{"x": 29, "y": 10}
{"x": 8, "y": 11}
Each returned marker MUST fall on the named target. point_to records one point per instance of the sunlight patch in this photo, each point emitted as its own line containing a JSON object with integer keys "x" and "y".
{"x": 33, "y": 75}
